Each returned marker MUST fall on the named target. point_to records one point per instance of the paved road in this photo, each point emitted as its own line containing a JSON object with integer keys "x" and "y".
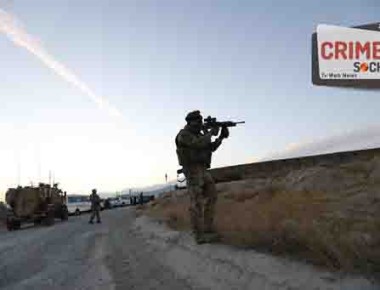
{"x": 128, "y": 253}
{"x": 77, "y": 255}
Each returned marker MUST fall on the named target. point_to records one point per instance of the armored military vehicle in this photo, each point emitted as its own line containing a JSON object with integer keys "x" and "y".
{"x": 40, "y": 205}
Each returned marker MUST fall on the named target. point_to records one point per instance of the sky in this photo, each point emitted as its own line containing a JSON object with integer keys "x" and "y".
{"x": 152, "y": 62}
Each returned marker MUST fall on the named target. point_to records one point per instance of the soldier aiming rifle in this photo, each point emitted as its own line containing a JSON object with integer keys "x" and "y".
{"x": 194, "y": 151}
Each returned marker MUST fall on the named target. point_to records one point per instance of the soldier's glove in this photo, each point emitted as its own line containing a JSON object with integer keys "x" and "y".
{"x": 225, "y": 132}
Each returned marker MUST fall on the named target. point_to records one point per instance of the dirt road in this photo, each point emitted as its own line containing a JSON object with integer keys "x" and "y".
{"x": 128, "y": 253}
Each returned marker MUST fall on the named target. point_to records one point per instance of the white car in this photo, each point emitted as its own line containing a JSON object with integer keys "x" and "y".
{"x": 125, "y": 200}
{"x": 76, "y": 204}
{"x": 115, "y": 201}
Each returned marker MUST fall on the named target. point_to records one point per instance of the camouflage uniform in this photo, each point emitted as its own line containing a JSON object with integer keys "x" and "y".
{"x": 95, "y": 207}
{"x": 194, "y": 150}
{"x": 202, "y": 191}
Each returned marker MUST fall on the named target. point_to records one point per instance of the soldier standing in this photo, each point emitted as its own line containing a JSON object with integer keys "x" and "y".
{"x": 95, "y": 207}
{"x": 194, "y": 150}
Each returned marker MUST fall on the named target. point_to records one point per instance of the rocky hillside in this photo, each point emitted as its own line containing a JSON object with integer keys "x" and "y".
{"x": 352, "y": 189}
{"x": 326, "y": 212}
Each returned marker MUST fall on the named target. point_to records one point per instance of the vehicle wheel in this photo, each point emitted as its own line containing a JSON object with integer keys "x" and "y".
{"x": 10, "y": 225}
{"x": 64, "y": 213}
{"x": 49, "y": 219}
{"x": 77, "y": 212}
{"x": 16, "y": 225}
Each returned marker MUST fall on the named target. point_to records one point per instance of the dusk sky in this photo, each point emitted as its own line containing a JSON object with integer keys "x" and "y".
{"x": 154, "y": 61}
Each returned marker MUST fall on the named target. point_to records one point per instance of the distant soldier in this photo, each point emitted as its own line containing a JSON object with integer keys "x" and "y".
{"x": 194, "y": 150}
{"x": 141, "y": 198}
{"x": 95, "y": 207}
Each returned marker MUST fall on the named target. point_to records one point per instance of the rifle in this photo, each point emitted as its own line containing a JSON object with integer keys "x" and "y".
{"x": 212, "y": 122}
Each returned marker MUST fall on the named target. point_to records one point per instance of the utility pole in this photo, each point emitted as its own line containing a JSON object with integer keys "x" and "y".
{"x": 18, "y": 172}
{"x": 39, "y": 170}
{"x": 38, "y": 159}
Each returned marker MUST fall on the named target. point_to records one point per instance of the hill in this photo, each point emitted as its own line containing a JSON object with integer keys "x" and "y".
{"x": 327, "y": 213}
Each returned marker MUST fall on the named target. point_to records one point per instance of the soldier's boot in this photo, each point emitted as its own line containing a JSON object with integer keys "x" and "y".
{"x": 199, "y": 239}
{"x": 206, "y": 238}
{"x": 197, "y": 230}
{"x": 210, "y": 237}
{"x": 209, "y": 234}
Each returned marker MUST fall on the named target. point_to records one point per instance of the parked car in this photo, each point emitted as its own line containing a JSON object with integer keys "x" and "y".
{"x": 76, "y": 204}
{"x": 115, "y": 202}
{"x": 107, "y": 203}
{"x": 102, "y": 204}
{"x": 125, "y": 200}
{"x": 136, "y": 199}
